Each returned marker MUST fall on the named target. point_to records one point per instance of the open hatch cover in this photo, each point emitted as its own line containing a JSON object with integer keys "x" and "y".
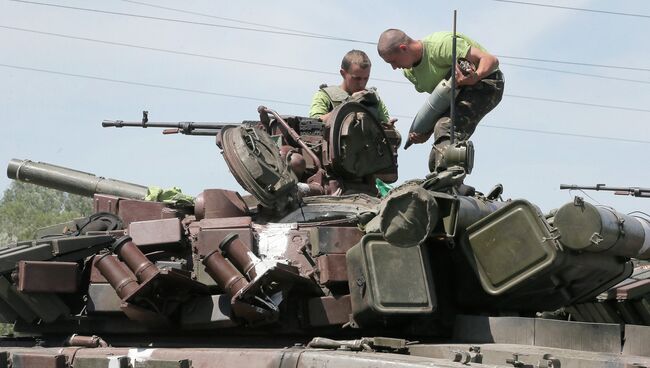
{"x": 254, "y": 159}
{"x": 358, "y": 144}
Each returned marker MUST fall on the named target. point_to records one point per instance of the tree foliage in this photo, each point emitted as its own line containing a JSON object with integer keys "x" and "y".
{"x": 24, "y": 208}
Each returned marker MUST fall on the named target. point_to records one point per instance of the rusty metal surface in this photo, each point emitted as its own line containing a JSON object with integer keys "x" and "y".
{"x": 162, "y": 231}
{"x": 123, "y": 283}
{"x": 27, "y": 360}
{"x": 334, "y": 239}
{"x": 224, "y": 273}
{"x": 633, "y": 290}
{"x": 240, "y": 255}
{"x": 332, "y": 269}
{"x": 96, "y": 276}
{"x": 297, "y": 252}
{"x": 137, "y": 262}
{"x": 293, "y": 135}
{"x": 131, "y": 210}
{"x": 105, "y": 203}
{"x": 209, "y": 240}
{"x": 47, "y": 277}
{"x": 93, "y": 341}
{"x": 225, "y": 223}
{"x": 219, "y": 203}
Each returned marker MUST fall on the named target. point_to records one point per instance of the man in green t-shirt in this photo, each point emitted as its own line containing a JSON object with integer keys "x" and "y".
{"x": 426, "y": 62}
{"x": 355, "y": 70}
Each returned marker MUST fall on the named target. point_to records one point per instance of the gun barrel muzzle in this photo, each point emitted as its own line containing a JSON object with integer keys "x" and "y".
{"x": 71, "y": 181}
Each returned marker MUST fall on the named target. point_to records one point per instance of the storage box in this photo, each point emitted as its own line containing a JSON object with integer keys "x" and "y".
{"x": 511, "y": 245}
{"x": 387, "y": 281}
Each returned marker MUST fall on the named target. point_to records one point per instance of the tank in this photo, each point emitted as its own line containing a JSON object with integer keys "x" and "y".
{"x": 311, "y": 268}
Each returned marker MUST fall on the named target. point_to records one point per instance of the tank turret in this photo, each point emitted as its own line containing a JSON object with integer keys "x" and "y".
{"x": 433, "y": 260}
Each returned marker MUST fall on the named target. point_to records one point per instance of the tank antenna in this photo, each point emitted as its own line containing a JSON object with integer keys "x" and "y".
{"x": 452, "y": 109}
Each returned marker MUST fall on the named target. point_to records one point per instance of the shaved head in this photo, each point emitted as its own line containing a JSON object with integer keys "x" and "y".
{"x": 390, "y": 40}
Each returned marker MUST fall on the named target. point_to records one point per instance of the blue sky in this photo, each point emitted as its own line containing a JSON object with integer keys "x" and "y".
{"x": 57, "y": 118}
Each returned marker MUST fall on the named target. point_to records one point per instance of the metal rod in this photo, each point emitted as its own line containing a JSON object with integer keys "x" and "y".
{"x": 182, "y": 127}
{"x": 179, "y": 124}
{"x": 452, "y": 108}
{"x": 293, "y": 134}
{"x": 633, "y": 191}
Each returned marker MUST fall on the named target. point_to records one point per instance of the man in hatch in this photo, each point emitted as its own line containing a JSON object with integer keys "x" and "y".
{"x": 355, "y": 70}
{"x": 426, "y": 62}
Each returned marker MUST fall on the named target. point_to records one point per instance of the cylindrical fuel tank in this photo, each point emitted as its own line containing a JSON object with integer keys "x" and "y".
{"x": 472, "y": 209}
{"x": 71, "y": 181}
{"x": 585, "y": 227}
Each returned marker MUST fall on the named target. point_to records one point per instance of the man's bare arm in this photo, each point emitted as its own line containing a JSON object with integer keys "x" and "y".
{"x": 485, "y": 62}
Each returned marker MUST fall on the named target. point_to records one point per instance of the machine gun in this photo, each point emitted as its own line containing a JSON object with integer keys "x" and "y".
{"x": 633, "y": 191}
{"x": 183, "y": 127}
{"x": 348, "y": 155}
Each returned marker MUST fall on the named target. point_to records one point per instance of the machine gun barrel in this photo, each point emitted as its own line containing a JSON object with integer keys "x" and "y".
{"x": 182, "y": 127}
{"x": 71, "y": 181}
{"x": 633, "y": 191}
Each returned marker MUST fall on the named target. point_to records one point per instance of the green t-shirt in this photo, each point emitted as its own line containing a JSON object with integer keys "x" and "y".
{"x": 436, "y": 59}
{"x": 321, "y": 105}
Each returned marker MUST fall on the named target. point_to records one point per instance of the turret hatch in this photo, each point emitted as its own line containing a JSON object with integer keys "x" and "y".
{"x": 254, "y": 159}
{"x": 358, "y": 144}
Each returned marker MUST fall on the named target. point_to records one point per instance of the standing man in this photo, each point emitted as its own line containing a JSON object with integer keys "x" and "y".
{"x": 426, "y": 62}
{"x": 355, "y": 70}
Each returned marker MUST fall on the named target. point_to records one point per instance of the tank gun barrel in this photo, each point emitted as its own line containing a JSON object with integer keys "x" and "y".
{"x": 71, "y": 181}
{"x": 633, "y": 191}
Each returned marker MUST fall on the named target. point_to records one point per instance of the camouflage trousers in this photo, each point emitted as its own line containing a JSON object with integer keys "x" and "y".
{"x": 472, "y": 104}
